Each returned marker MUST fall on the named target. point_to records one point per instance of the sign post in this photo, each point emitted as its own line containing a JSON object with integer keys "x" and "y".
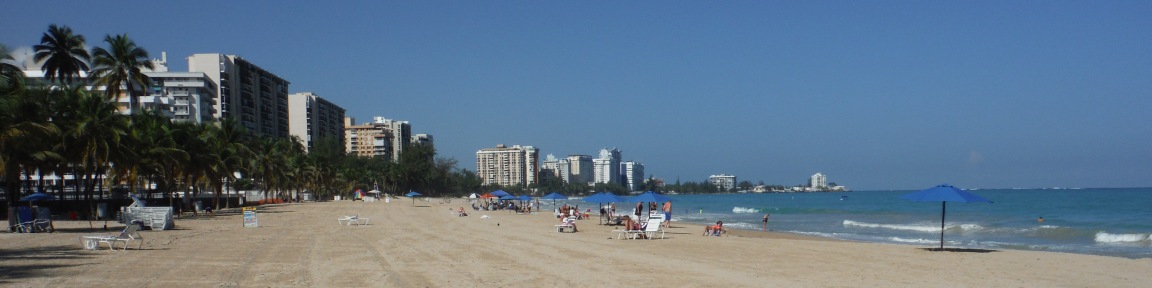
{"x": 250, "y": 217}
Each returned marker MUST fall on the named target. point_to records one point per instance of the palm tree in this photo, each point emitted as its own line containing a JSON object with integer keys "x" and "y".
{"x": 23, "y": 131}
{"x": 11, "y": 76}
{"x": 119, "y": 67}
{"x": 228, "y": 142}
{"x": 63, "y": 54}
{"x": 96, "y": 134}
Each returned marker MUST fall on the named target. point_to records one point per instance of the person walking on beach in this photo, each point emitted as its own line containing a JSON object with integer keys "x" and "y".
{"x": 766, "y": 221}
{"x": 667, "y": 214}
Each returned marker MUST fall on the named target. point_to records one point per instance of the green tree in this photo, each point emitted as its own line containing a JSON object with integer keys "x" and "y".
{"x": 63, "y": 54}
{"x": 120, "y": 67}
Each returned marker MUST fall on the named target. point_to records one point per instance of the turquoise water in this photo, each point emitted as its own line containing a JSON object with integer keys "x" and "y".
{"x": 1113, "y": 222}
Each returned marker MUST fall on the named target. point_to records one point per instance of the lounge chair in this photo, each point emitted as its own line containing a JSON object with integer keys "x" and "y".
{"x": 653, "y": 227}
{"x": 131, "y": 232}
{"x": 352, "y": 220}
{"x": 629, "y": 233}
{"x": 569, "y": 222}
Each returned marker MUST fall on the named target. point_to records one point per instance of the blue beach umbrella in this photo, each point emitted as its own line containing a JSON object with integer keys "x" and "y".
{"x": 650, "y": 197}
{"x": 554, "y": 196}
{"x": 499, "y": 193}
{"x": 603, "y": 197}
{"x": 944, "y": 193}
{"x": 38, "y": 196}
{"x": 525, "y": 198}
{"x": 413, "y": 195}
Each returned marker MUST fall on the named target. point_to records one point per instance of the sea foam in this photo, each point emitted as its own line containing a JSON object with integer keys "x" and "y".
{"x": 1103, "y": 237}
{"x": 918, "y": 228}
{"x": 743, "y": 210}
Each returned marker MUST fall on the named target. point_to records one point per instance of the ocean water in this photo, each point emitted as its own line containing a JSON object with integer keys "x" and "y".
{"x": 1112, "y": 222}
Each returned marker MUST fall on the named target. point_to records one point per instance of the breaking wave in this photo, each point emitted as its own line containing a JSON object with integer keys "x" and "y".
{"x": 912, "y": 227}
{"x": 742, "y": 210}
{"x": 1102, "y": 237}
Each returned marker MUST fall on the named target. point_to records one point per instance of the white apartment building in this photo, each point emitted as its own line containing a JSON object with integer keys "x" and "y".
{"x": 633, "y": 175}
{"x": 607, "y": 166}
{"x": 723, "y": 181}
{"x": 818, "y": 180}
{"x": 256, "y": 98}
{"x": 508, "y": 166}
{"x": 312, "y": 118}
{"x": 191, "y": 96}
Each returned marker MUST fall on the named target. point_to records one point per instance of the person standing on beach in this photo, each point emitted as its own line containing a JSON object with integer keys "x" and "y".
{"x": 766, "y": 221}
{"x": 667, "y": 214}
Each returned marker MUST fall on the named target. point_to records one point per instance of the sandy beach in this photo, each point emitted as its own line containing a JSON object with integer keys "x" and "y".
{"x": 427, "y": 245}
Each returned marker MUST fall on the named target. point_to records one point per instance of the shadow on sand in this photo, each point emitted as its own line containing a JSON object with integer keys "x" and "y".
{"x": 965, "y": 250}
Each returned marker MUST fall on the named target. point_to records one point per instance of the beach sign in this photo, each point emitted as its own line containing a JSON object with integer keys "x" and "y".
{"x": 250, "y": 217}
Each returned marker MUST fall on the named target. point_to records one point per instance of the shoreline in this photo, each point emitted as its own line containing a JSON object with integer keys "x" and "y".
{"x": 424, "y": 244}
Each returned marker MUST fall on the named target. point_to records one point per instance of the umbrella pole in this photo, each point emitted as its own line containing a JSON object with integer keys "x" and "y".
{"x": 943, "y": 208}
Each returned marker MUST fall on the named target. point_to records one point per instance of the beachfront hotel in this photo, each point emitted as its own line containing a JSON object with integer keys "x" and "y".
{"x": 508, "y": 166}
{"x": 312, "y": 118}
{"x": 382, "y": 138}
{"x": 723, "y": 181}
{"x": 607, "y": 167}
{"x": 256, "y": 98}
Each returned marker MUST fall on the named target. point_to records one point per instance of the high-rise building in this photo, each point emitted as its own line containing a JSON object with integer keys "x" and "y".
{"x": 516, "y": 165}
{"x": 723, "y": 181}
{"x": 580, "y": 167}
{"x": 312, "y": 118}
{"x": 818, "y": 180}
{"x": 192, "y": 95}
{"x": 607, "y": 166}
{"x": 381, "y": 138}
{"x": 557, "y": 168}
{"x": 632, "y": 173}
{"x": 401, "y": 133}
{"x": 256, "y": 98}
{"x": 422, "y": 139}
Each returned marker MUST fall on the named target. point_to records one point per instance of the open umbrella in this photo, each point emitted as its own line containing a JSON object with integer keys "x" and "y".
{"x": 413, "y": 195}
{"x": 38, "y": 196}
{"x": 603, "y": 197}
{"x": 944, "y": 193}
{"x": 650, "y": 197}
{"x": 500, "y": 193}
{"x": 554, "y": 196}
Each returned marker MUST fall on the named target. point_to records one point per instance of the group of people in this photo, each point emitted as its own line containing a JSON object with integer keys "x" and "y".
{"x": 566, "y": 211}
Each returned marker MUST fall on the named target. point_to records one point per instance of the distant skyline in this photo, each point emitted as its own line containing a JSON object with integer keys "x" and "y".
{"x": 875, "y": 95}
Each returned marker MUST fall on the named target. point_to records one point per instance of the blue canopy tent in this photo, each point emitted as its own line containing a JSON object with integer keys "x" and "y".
{"x": 944, "y": 193}
{"x": 499, "y": 193}
{"x": 413, "y": 194}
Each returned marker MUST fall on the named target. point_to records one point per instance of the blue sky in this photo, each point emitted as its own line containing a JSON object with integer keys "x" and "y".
{"x": 874, "y": 94}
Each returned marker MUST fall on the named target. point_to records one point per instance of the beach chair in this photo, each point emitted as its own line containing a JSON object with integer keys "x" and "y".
{"x": 352, "y": 220}
{"x": 654, "y": 227}
{"x": 131, "y": 232}
{"x": 629, "y": 233}
{"x": 569, "y": 223}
